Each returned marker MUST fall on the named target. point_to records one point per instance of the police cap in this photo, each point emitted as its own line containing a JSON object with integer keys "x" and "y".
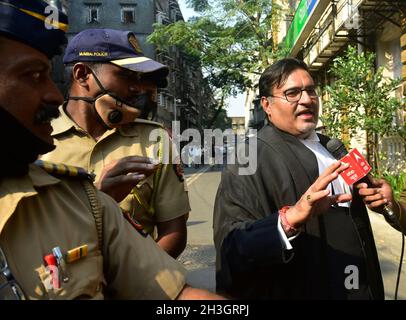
{"x": 117, "y": 47}
{"x": 35, "y": 23}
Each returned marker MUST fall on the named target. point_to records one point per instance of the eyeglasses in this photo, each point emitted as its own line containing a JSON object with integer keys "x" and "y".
{"x": 295, "y": 94}
{"x": 9, "y": 288}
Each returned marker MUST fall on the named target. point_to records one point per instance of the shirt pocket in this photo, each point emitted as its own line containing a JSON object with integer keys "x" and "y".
{"x": 86, "y": 279}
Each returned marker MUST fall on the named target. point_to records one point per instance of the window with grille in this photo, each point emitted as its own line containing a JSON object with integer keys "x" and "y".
{"x": 93, "y": 14}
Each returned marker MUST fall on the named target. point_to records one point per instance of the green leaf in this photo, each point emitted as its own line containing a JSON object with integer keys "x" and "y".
{"x": 232, "y": 40}
{"x": 361, "y": 99}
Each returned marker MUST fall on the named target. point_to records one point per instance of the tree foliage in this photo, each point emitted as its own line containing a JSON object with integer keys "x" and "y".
{"x": 219, "y": 121}
{"x": 232, "y": 39}
{"x": 362, "y": 99}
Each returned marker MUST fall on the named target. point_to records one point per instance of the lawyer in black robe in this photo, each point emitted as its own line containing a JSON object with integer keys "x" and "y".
{"x": 251, "y": 262}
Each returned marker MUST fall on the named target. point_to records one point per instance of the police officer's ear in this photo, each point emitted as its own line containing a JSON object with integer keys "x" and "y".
{"x": 81, "y": 74}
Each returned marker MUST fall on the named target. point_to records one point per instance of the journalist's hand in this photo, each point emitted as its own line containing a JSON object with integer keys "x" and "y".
{"x": 376, "y": 196}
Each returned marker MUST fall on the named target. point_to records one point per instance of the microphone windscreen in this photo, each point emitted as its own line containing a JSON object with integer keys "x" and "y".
{"x": 336, "y": 148}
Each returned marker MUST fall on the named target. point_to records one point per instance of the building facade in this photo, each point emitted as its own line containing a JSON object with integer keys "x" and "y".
{"x": 183, "y": 99}
{"x": 238, "y": 125}
{"x": 322, "y": 30}
{"x": 318, "y": 31}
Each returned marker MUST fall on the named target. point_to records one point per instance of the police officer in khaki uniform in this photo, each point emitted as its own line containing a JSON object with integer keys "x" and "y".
{"x": 60, "y": 238}
{"x": 112, "y": 84}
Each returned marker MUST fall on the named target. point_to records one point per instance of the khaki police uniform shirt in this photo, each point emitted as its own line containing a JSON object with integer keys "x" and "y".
{"x": 40, "y": 212}
{"x": 75, "y": 147}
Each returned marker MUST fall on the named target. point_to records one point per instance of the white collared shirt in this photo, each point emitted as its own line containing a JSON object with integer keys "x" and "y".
{"x": 325, "y": 159}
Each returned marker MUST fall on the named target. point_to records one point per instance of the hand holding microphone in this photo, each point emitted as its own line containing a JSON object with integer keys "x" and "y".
{"x": 376, "y": 194}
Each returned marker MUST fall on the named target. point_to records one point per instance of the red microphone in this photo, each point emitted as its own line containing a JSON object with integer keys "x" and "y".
{"x": 357, "y": 171}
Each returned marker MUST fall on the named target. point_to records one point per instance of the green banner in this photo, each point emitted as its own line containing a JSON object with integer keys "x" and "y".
{"x": 302, "y": 14}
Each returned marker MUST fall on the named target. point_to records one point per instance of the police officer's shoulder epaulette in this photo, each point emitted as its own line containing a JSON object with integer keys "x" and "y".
{"x": 153, "y": 123}
{"x": 63, "y": 170}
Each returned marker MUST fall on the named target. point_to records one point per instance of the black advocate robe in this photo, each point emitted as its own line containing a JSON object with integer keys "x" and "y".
{"x": 250, "y": 259}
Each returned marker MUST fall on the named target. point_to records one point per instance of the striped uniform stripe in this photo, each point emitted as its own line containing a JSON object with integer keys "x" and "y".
{"x": 64, "y": 170}
{"x": 123, "y": 62}
{"x": 56, "y": 24}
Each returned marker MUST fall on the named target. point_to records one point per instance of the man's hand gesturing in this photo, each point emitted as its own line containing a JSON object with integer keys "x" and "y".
{"x": 317, "y": 199}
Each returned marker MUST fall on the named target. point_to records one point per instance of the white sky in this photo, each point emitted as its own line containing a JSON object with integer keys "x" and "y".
{"x": 236, "y": 105}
